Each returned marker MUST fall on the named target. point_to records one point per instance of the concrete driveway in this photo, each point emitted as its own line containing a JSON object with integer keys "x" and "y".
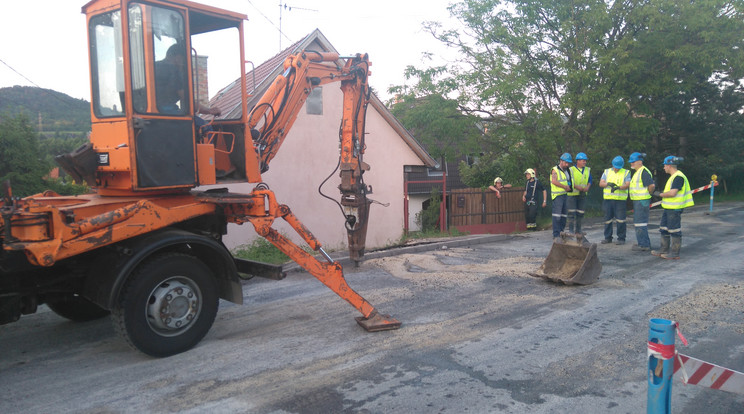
{"x": 479, "y": 335}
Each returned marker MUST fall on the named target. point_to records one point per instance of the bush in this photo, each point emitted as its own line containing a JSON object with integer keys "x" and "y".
{"x": 261, "y": 250}
{"x": 428, "y": 218}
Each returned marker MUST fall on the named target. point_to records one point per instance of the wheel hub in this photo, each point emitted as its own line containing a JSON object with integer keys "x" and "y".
{"x": 173, "y": 305}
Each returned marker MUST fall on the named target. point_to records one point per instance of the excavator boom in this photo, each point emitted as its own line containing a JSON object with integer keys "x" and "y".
{"x": 276, "y": 111}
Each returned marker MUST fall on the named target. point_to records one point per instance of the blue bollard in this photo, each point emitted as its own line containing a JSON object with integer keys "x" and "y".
{"x": 660, "y": 331}
{"x": 712, "y": 186}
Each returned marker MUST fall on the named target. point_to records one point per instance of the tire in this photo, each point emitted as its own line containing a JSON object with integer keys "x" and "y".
{"x": 179, "y": 284}
{"x": 76, "y": 308}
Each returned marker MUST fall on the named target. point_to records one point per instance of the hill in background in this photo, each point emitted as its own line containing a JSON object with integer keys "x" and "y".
{"x": 60, "y": 113}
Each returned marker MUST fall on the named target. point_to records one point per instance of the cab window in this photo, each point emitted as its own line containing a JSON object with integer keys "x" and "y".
{"x": 107, "y": 65}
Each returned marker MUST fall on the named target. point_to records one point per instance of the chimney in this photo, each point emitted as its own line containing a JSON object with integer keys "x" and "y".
{"x": 201, "y": 86}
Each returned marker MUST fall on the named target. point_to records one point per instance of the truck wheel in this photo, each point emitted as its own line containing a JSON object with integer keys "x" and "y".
{"x": 76, "y": 308}
{"x": 167, "y": 305}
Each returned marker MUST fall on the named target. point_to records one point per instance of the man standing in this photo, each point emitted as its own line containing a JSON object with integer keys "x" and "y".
{"x": 674, "y": 199}
{"x": 615, "y": 182}
{"x": 582, "y": 179}
{"x": 641, "y": 187}
{"x": 532, "y": 190}
{"x": 560, "y": 185}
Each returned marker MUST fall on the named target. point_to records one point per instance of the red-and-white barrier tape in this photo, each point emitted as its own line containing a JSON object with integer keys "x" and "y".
{"x": 662, "y": 351}
{"x": 697, "y": 190}
{"x": 695, "y": 371}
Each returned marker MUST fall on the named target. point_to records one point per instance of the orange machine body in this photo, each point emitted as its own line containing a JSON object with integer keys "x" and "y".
{"x": 147, "y": 151}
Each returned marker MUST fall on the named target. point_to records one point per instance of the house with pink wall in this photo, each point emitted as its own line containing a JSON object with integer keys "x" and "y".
{"x": 303, "y": 173}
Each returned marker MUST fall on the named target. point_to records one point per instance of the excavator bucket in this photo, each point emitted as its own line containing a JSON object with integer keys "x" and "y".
{"x": 378, "y": 322}
{"x": 571, "y": 261}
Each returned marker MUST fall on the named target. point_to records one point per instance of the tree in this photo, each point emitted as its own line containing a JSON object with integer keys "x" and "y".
{"x": 586, "y": 75}
{"x": 21, "y": 160}
{"x": 438, "y": 124}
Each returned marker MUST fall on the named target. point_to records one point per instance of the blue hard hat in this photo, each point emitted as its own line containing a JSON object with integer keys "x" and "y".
{"x": 618, "y": 162}
{"x": 566, "y": 157}
{"x": 581, "y": 156}
{"x": 636, "y": 156}
{"x": 672, "y": 160}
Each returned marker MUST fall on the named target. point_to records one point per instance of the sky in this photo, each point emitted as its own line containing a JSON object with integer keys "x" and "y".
{"x": 43, "y": 42}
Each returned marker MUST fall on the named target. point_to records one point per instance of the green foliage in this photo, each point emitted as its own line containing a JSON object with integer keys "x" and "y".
{"x": 261, "y": 250}
{"x": 61, "y": 143}
{"x": 602, "y": 77}
{"x": 428, "y": 218}
{"x": 21, "y": 160}
{"x": 63, "y": 187}
{"x": 59, "y": 112}
{"x": 27, "y": 153}
{"x": 26, "y": 160}
{"x": 438, "y": 124}
{"x": 433, "y": 234}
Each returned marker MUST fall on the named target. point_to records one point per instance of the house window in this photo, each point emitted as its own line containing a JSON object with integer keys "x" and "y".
{"x": 314, "y": 103}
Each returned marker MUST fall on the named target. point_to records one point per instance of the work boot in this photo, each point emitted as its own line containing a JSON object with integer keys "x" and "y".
{"x": 664, "y": 249}
{"x": 606, "y": 241}
{"x": 619, "y": 242}
{"x": 637, "y": 248}
{"x": 674, "y": 253}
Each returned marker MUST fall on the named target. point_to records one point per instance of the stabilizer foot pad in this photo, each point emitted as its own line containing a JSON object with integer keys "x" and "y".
{"x": 377, "y": 322}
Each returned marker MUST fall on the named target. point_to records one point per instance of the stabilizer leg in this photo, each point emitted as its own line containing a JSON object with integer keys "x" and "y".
{"x": 331, "y": 275}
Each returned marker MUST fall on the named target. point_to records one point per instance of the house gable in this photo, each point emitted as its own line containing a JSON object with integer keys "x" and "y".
{"x": 309, "y": 154}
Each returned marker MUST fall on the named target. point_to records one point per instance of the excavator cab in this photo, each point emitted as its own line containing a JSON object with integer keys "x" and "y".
{"x": 149, "y": 83}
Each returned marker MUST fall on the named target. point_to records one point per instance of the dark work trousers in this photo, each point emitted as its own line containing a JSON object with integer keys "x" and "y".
{"x": 560, "y": 214}
{"x": 640, "y": 221}
{"x": 575, "y": 212}
{"x": 615, "y": 211}
{"x": 530, "y": 214}
{"x": 671, "y": 223}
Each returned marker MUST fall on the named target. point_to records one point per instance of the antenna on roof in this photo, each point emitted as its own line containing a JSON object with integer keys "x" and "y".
{"x": 287, "y": 7}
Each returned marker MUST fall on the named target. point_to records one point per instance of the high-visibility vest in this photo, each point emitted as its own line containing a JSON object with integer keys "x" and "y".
{"x": 556, "y": 191}
{"x": 618, "y": 178}
{"x": 682, "y": 199}
{"x": 578, "y": 178}
{"x": 637, "y": 190}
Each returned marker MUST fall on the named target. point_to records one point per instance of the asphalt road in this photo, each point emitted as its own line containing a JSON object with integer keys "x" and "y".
{"x": 479, "y": 335}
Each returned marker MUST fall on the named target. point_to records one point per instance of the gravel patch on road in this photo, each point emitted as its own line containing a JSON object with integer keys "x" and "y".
{"x": 695, "y": 311}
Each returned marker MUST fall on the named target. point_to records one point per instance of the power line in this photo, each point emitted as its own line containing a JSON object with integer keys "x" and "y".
{"x": 269, "y": 20}
{"x": 33, "y": 83}
{"x": 20, "y": 74}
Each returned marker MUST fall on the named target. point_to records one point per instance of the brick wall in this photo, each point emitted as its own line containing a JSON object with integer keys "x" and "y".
{"x": 201, "y": 87}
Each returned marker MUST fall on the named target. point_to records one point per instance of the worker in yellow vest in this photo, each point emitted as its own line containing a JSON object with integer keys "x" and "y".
{"x": 581, "y": 178}
{"x": 675, "y": 198}
{"x": 560, "y": 186}
{"x": 641, "y": 187}
{"x": 615, "y": 182}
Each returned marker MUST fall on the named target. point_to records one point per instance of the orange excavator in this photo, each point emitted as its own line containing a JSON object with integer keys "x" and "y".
{"x": 146, "y": 245}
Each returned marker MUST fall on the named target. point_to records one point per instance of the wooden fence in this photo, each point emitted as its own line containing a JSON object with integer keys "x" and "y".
{"x": 479, "y": 211}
